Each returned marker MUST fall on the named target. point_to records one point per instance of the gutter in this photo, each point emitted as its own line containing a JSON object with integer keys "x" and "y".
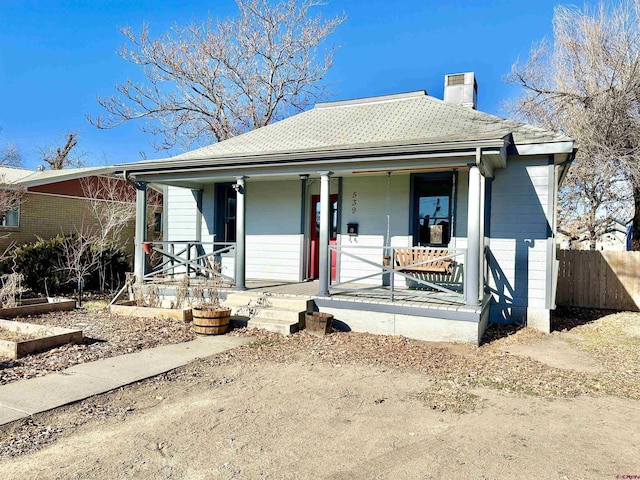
{"x": 357, "y": 154}
{"x": 564, "y": 166}
{"x": 127, "y": 178}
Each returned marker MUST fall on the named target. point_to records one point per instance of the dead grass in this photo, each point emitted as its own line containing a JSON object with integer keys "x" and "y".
{"x": 448, "y": 396}
{"x": 467, "y": 366}
{"x": 16, "y": 336}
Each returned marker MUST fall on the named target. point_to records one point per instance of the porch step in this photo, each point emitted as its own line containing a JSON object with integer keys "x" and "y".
{"x": 271, "y": 313}
{"x": 243, "y": 299}
{"x": 285, "y": 327}
{"x": 274, "y": 313}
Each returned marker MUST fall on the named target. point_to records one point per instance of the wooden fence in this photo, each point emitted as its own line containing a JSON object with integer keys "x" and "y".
{"x": 599, "y": 279}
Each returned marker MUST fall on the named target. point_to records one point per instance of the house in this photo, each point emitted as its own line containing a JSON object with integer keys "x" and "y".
{"x": 57, "y": 202}
{"x": 400, "y": 214}
{"x": 617, "y": 238}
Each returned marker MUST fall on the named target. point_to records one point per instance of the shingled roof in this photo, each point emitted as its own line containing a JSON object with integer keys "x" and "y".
{"x": 409, "y": 118}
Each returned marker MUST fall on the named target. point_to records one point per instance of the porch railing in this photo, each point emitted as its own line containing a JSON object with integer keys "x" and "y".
{"x": 443, "y": 286}
{"x": 191, "y": 258}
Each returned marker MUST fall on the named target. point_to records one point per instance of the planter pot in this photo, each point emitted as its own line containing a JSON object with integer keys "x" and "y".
{"x": 318, "y": 323}
{"x": 210, "y": 322}
{"x": 146, "y": 246}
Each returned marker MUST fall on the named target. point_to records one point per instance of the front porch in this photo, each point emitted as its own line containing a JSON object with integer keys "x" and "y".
{"x": 394, "y": 252}
{"x": 423, "y": 315}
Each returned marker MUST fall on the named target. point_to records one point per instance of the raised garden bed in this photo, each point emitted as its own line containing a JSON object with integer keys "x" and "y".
{"x": 18, "y": 339}
{"x": 130, "y": 309}
{"x": 37, "y": 306}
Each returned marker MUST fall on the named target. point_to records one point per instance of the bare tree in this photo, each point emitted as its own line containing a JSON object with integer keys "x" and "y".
{"x": 586, "y": 84}
{"x": 79, "y": 256}
{"x": 10, "y": 155}
{"x": 112, "y": 205}
{"x": 66, "y": 156}
{"x": 209, "y": 81}
{"x": 10, "y": 195}
{"x": 592, "y": 200}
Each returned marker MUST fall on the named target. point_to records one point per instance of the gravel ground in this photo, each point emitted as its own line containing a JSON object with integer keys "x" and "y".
{"x": 105, "y": 336}
{"x": 452, "y": 372}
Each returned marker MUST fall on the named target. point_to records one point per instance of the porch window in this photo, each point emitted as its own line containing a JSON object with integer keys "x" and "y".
{"x": 225, "y": 213}
{"x": 432, "y": 209}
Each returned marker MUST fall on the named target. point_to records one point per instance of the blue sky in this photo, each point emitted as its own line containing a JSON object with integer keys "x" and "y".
{"x": 57, "y": 55}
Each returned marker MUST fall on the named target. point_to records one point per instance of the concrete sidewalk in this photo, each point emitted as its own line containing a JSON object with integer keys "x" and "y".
{"x": 27, "y": 397}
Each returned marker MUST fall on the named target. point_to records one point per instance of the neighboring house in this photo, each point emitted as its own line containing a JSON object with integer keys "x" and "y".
{"x": 615, "y": 239}
{"x": 56, "y": 202}
{"x": 346, "y": 192}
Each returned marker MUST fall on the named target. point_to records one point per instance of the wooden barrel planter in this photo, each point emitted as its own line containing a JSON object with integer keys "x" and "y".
{"x": 318, "y": 323}
{"x": 208, "y": 321}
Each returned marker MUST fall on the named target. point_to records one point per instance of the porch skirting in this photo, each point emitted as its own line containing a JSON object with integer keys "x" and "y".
{"x": 420, "y": 318}
{"x": 434, "y": 324}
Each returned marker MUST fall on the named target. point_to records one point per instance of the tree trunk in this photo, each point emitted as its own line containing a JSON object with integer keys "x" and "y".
{"x": 635, "y": 240}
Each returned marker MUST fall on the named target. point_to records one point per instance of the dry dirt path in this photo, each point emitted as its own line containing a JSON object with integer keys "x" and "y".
{"x": 310, "y": 420}
{"x": 357, "y": 406}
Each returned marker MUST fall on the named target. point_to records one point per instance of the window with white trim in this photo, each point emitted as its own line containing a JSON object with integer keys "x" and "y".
{"x": 10, "y": 218}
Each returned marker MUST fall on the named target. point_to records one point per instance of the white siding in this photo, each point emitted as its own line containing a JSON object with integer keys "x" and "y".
{"x": 273, "y": 230}
{"x": 520, "y": 228}
{"x": 370, "y": 214}
{"x": 181, "y": 214}
{"x": 208, "y": 217}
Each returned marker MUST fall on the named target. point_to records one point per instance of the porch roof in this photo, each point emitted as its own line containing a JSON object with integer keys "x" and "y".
{"x": 410, "y": 122}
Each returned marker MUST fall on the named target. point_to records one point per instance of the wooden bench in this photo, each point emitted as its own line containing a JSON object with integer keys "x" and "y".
{"x": 406, "y": 259}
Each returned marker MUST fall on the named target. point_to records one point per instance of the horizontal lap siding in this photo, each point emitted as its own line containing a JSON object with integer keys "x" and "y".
{"x": 352, "y": 268}
{"x": 370, "y": 213}
{"x": 519, "y": 230}
{"x": 208, "y": 217}
{"x": 181, "y": 214}
{"x": 273, "y": 230}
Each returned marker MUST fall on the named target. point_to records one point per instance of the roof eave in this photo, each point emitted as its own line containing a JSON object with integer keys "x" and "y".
{"x": 27, "y": 183}
{"x": 276, "y": 159}
{"x": 546, "y": 148}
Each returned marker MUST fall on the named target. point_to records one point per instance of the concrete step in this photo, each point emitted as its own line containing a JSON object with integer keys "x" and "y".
{"x": 243, "y": 299}
{"x": 279, "y": 314}
{"x": 284, "y": 327}
{"x": 257, "y": 300}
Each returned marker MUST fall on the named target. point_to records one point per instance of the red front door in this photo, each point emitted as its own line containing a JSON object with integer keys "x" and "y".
{"x": 315, "y": 235}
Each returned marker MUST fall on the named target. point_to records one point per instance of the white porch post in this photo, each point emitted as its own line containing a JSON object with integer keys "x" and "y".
{"x": 323, "y": 257}
{"x": 139, "y": 259}
{"x": 240, "y": 188}
{"x": 472, "y": 281}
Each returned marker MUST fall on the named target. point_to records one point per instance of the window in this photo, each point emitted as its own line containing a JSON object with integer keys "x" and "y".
{"x": 432, "y": 209}
{"x": 157, "y": 222}
{"x": 225, "y": 213}
{"x": 11, "y": 218}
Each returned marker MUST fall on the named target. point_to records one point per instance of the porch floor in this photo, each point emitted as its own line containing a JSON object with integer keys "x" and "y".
{"x": 365, "y": 294}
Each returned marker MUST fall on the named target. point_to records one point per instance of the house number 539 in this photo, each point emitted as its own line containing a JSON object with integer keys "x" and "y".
{"x": 354, "y": 202}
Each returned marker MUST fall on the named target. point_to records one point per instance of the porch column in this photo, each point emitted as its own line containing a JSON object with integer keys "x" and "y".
{"x": 139, "y": 259}
{"x": 240, "y": 189}
{"x": 323, "y": 257}
{"x": 472, "y": 280}
{"x": 304, "y": 178}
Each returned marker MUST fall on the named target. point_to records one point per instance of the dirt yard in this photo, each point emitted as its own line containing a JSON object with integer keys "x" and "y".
{"x": 355, "y": 406}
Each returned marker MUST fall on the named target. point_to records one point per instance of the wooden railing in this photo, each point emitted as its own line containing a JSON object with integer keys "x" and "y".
{"x": 190, "y": 258}
{"x": 428, "y": 272}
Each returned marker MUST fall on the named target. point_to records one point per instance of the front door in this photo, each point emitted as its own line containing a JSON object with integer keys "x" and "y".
{"x": 314, "y": 260}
